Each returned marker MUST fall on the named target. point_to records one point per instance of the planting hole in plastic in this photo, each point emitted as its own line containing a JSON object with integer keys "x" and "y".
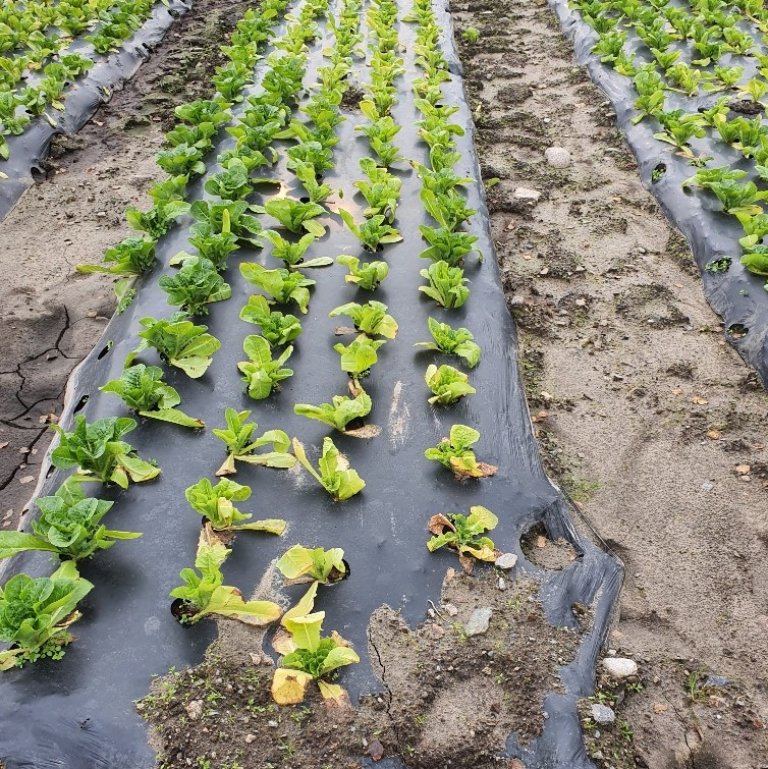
{"x": 542, "y": 551}
{"x": 81, "y": 403}
{"x": 737, "y": 331}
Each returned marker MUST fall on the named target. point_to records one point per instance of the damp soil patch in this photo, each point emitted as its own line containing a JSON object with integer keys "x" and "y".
{"x": 453, "y": 690}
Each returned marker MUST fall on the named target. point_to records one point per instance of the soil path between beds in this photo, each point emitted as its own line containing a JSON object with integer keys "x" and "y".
{"x": 52, "y": 316}
{"x": 646, "y": 417}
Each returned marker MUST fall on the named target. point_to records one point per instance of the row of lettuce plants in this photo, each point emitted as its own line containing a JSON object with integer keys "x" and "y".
{"x": 38, "y": 62}
{"x": 699, "y": 73}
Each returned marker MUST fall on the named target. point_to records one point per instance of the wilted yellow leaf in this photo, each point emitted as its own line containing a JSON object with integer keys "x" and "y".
{"x": 289, "y": 687}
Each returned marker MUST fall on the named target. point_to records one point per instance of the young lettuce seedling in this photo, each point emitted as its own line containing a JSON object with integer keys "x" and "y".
{"x": 204, "y": 593}
{"x": 296, "y": 216}
{"x": 373, "y": 232}
{"x": 341, "y": 411}
{"x": 334, "y": 475}
{"x": 370, "y": 318}
{"x": 132, "y": 256}
{"x": 455, "y": 453}
{"x": 36, "y": 613}
{"x": 293, "y": 253}
{"x": 158, "y": 220}
{"x": 69, "y": 525}
{"x": 214, "y": 503}
{"x": 143, "y": 389}
{"x": 281, "y": 284}
{"x": 302, "y": 564}
{"x": 367, "y": 277}
{"x": 447, "y": 384}
{"x": 448, "y": 209}
{"x": 262, "y": 373}
{"x": 233, "y": 183}
{"x": 359, "y": 356}
{"x": 222, "y": 219}
{"x": 465, "y": 535}
{"x": 179, "y": 342}
{"x": 196, "y": 285}
{"x": 452, "y": 341}
{"x": 241, "y": 445}
{"x": 446, "y": 285}
{"x": 307, "y": 655}
{"x": 276, "y": 328}
{"x": 97, "y": 452}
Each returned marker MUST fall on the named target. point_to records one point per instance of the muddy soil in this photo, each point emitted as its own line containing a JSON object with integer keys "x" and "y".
{"x": 645, "y": 416}
{"x": 52, "y": 317}
{"x": 449, "y": 698}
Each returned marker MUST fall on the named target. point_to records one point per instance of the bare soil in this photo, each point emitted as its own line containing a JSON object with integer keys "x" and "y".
{"x": 52, "y": 316}
{"x": 644, "y": 414}
{"x": 448, "y": 699}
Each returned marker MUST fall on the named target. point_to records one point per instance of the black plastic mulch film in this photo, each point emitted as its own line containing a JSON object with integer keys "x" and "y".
{"x": 82, "y": 99}
{"x": 736, "y": 295}
{"x": 79, "y": 712}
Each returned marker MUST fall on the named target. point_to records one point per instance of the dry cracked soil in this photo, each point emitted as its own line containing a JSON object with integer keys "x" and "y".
{"x": 645, "y": 417}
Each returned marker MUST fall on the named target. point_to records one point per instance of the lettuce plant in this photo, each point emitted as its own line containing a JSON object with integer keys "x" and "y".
{"x": 335, "y": 474}
{"x": 202, "y": 111}
{"x": 238, "y": 437}
{"x": 204, "y": 592}
{"x": 307, "y": 656}
{"x": 341, "y": 411}
{"x": 465, "y": 535}
{"x": 359, "y": 356}
{"x": 281, "y": 284}
{"x": 132, "y": 256}
{"x": 196, "y": 285}
{"x": 452, "y": 341}
{"x": 69, "y": 525}
{"x": 215, "y": 504}
{"x": 36, "y": 614}
{"x": 447, "y": 384}
{"x": 262, "y": 373}
{"x": 179, "y": 342}
{"x": 446, "y": 285}
{"x": 293, "y": 253}
{"x": 181, "y": 160}
{"x": 307, "y": 175}
{"x": 381, "y": 191}
{"x": 228, "y": 218}
{"x": 97, "y": 452}
{"x": 144, "y": 390}
{"x": 370, "y": 318}
{"x": 455, "y": 453}
{"x": 448, "y": 209}
{"x": 276, "y": 328}
{"x": 368, "y": 276}
{"x": 373, "y": 232}
{"x": 232, "y": 183}
{"x": 158, "y": 220}
{"x": 304, "y": 564}
{"x": 296, "y": 216}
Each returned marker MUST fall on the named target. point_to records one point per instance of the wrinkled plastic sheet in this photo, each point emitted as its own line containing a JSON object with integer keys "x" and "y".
{"x": 29, "y": 150}
{"x": 737, "y": 296}
{"x": 79, "y": 712}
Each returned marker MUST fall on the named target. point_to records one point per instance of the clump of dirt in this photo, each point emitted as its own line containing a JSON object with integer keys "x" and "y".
{"x": 433, "y": 676}
{"x": 53, "y": 315}
{"x": 540, "y": 549}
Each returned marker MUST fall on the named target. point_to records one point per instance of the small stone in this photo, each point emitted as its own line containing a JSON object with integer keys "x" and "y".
{"x": 716, "y": 681}
{"x": 26, "y": 479}
{"x": 450, "y": 609}
{"x": 479, "y": 622}
{"x": 707, "y": 486}
{"x": 195, "y": 709}
{"x": 501, "y": 583}
{"x": 525, "y": 193}
{"x": 375, "y": 750}
{"x": 619, "y": 668}
{"x": 249, "y": 738}
{"x": 558, "y": 157}
{"x": 506, "y": 561}
{"x": 602, "y": 714}
{"x": 273, "y": 724}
